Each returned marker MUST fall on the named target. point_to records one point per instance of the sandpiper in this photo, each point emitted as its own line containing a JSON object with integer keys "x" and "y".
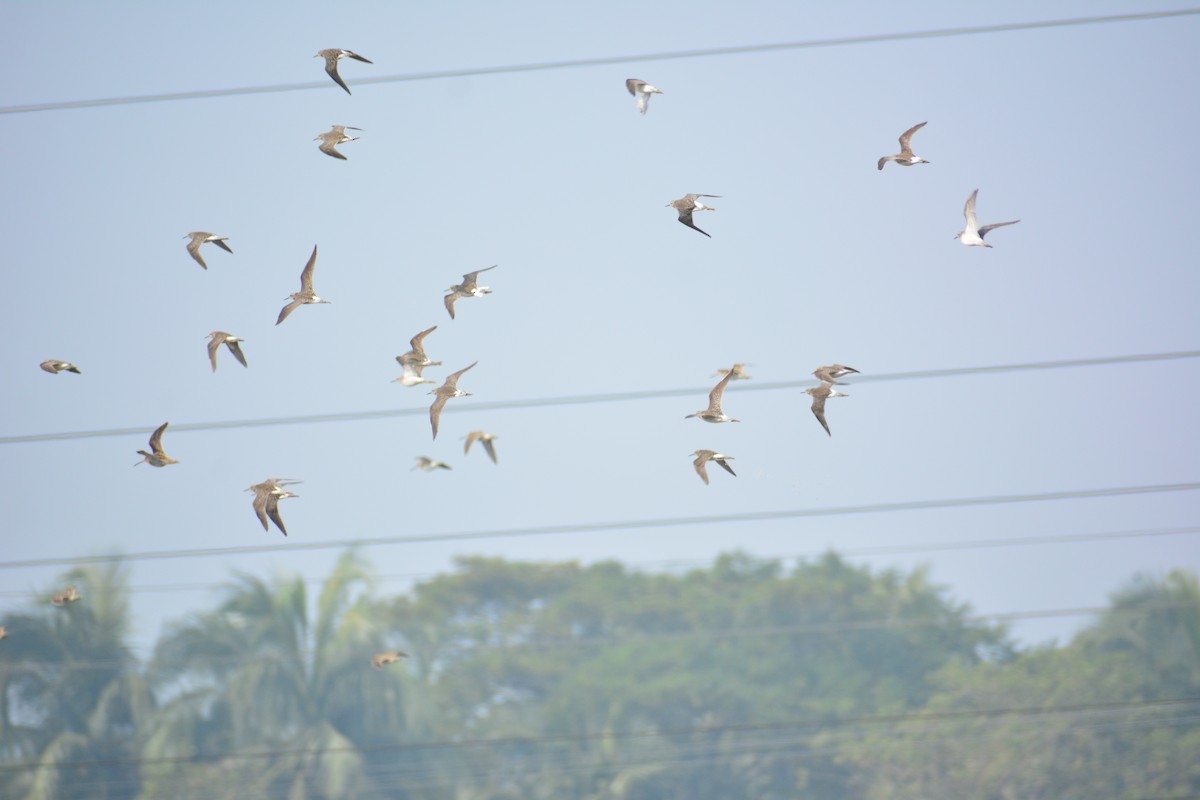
{"x": 427, "y": 464}
{"x": 55, "y": 366}
{"x": 445, "y": 392}
{"x": 412, "y": 374}
{"x": 306, "y": 295}
{"x": 642, "y": 91}
{"x": 266, "y": 500}
{"x": 973, "y": 234}
{"x": 216, "y": 339}
{"x": 381, "y": 660}
{"x": 714, "y": 413}
{"x": 68, "y": 595}
{"x": 333, "y": 137}
{"x": 200, "y": 237}
{"x": 334, "y": 54}
{"x": 831, "y": 373}
{"x": 417, "y": 355}
{"x": 468, "y": 288}
{"x": 689, "y": 203}
{"x": 905, "y": 157}
{"x": 819, "y": 395}
{"x": 738, "y": 370}
{"x": 488, "y": 440}
{"x": 157, "y": 457}
{"x": 702, "y": 459}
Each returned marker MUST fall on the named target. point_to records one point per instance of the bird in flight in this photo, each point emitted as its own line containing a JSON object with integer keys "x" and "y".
{"x": 642, "y": 91}
{"x": 819, "y": 395}
{"x": 714, "y": 413}
{"x": 427, "y": 464}
{"x": 445, "y": 392}
{"x": 333, "y": 137}
{"x": 54, "y": 366}
{"x": 831, "y": 373}
{"x": 65, "y": 597}
{"x": 200, "y": 237}
{"x": 157, "y": 457}
{"x": 905, "y": 157}
{"x": 266, "y": 500}
{"x": 381, "y": 660}
{"x": 218, "y": 338}
{"x": 738, "y": 370}
{"x": 468, "y": 288}
{"x": 973, "y": 234}
{"x": 689, "y": 203}
{"x": 306, "y": 295}
{"x": 488, "y": 440}
{"x": 332, "y": 56}
{"x": 702, "y": 459}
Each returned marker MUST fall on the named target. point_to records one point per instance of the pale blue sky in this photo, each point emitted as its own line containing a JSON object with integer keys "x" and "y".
{"x": 1086, "y": 134}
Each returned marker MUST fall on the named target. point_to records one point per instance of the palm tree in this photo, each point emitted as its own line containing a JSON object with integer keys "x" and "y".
{"x": 272, "y": 702}
{"x": 73, "y": 703}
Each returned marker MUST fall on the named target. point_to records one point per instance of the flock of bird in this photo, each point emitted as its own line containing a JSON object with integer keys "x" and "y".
{"x": 271, "y": 491}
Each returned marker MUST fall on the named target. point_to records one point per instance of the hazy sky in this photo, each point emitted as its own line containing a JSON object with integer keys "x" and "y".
{"x": 1086, "y": 134}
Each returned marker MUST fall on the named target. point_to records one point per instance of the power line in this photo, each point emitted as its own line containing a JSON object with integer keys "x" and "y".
{"x": 611, "y": 397}
{"x": 597, "y": 527}
{"x": 814, "y": 723}
{"x": 940, "y": 33}
{"x": 681, "y": 563}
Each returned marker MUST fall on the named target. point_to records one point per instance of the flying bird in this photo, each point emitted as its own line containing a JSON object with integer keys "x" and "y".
{"x": 381, "y": 660}
{"x": 412, "y": 374}
{"x": 416, "y": 355}
{"x": 702, "y": 459}
{"x": 819, "y": 395}
{"x": 905, "y": 157}
{"x": 266, "y": 500}
{"x": 468, "y": 288}
{"x": 333, "y": 137}
{"x": 54, "y": 366}
{"x": 218, "y": 338}
{"x": 642, "y": 91}
{"x": 689, "y": 203}
{"x": 445, "y": 392}
{"x": 714, "y": 413}
{"x": 334, "y": 54}
{"x": 488, "y": 440}
{"x": 157, "y": 457}
{"x": 831, "y": 373}
{"x": 68, "y": 595}
{"x": 973, "y": 234}
{"x": 427, "y": 464}
{"x": 200, "y": 237}
{"x": 306, "y": 295}
{"x": 738, "y": 370}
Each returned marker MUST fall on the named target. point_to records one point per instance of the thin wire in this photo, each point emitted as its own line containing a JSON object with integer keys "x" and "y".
{"x": 597, "y": 527}
{"x": 596, "y": 62}
{"x": 817, "y": 723}
{"x": 684, "y": 563}
{"x": 594, "y": 398}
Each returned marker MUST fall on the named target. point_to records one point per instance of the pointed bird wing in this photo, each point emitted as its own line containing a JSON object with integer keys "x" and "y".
{"x": 156, "y": 438}
{"x": 193, "y": 247}
{"x": 235, "y": 347}
{"x": 327, "y": 147}
{"x": 306, "y": 276}
{"x": 471, "y": 279}
{"x": 331, "y": 67}
{"x": 969, "y": 212}
{"x": 435, "y": 412}
{"x": 818, "y": 409}
{"x": 714, "y": 397}
{"x": 471, "y": 437}
{"x": 417, "y": 342}
{"x": 221, "y": 244}
{"x": 490, "y": 446}
{"x": 288, "y": 309}
{"x": 272, "y": 508}
{"x": 701, "y": 469}
{"x": 906, "y": 138}
{"x": 685, "y": 216}
{"x": 725, "y": 464}
{"x": 452, "y": 379}
{"x": 633, "y": 85}
{"x": 984, "y": 230}
{"x": 448, "y": 301}
{"x": 213, "y": 344}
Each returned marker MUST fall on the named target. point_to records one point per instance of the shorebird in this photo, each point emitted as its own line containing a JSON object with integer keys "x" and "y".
{"x": 55, "y": 366}
{"x": 689, "y": 203}
{"x": 488, "y": 440}
{"x": 642, "y": 91}
{"x": 831, "y": 373}
{"x": 157, "y": 457}
{"x": 427, "y": 464}
{"x": 714, "y": 413}
{"x": 266, "y": 500}
{"x": 819, "y": 395}
{"x": 973, "y": 234}
{"x": 905, "y": 157}
{"x": 416, "y": 355}
{"x": 445, "y": 392}
{"x": 218, "y": 338}
{"x": 334, "y": 54}
{"x": 200, "y": 237}
{"x": 702, "y": 459}
{"x": 68, "y": 595}
{"x": 333, "y": 137}
{"x": 738, "y": 370}
{"x": 306, "y": 295}
{"x": 468, "y": 288}
{"x": 381, "y": 660}
{"x": 412, "y": 374}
